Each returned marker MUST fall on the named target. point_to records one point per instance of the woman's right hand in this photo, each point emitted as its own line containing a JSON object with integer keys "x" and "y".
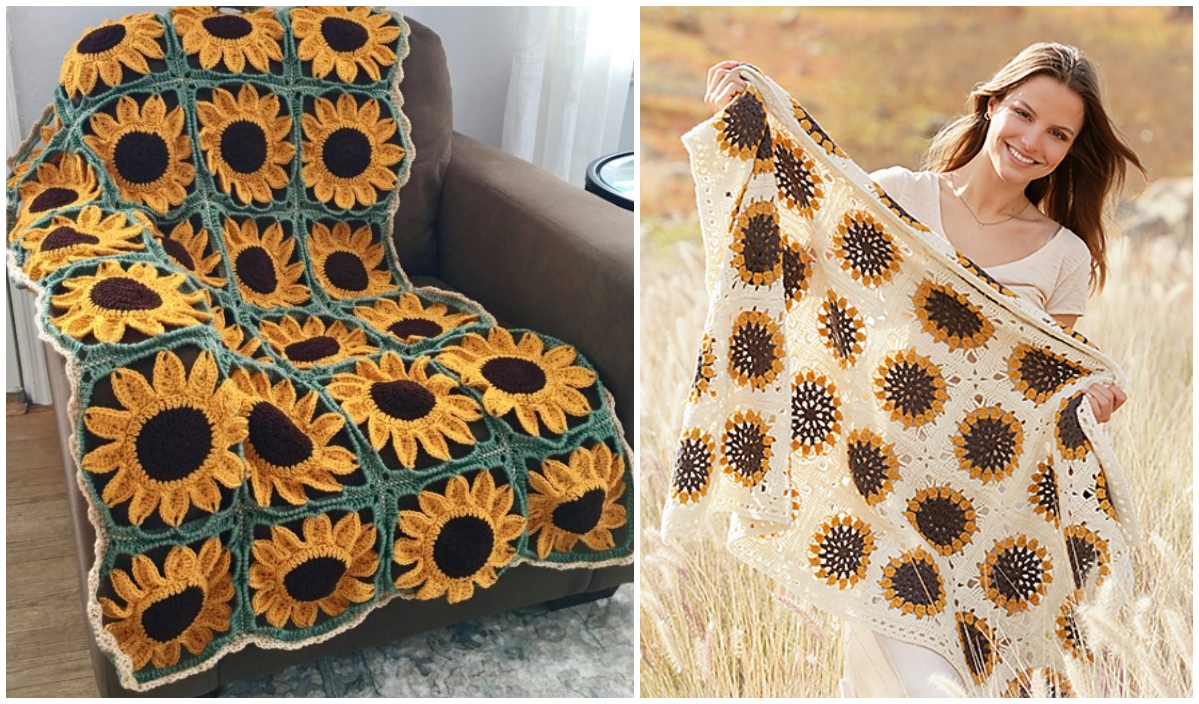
{"x": 724, "y": 84}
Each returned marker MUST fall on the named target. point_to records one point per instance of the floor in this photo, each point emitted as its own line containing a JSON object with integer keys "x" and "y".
{"x": 46, "y": 644}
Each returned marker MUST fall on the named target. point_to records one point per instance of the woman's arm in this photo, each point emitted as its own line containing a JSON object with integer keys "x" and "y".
{"x": 1104, "y": 398}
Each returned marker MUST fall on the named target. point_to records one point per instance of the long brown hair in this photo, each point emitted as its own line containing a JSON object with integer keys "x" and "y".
{"x": 1075, "y": 194}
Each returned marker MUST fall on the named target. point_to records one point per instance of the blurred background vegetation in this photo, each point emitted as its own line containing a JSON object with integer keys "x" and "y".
{"x": 882, "y": 80}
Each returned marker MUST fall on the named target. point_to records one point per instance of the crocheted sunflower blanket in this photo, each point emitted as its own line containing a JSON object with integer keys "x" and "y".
{"x": 276, "y": 431}
{"x": 900, "y": 440}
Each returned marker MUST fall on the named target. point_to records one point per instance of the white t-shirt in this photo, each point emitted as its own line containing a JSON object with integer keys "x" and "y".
{"x": 1054, "y": 278}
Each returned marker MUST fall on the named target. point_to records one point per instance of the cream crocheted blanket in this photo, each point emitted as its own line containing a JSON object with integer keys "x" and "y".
{"x": 900, "y": 440}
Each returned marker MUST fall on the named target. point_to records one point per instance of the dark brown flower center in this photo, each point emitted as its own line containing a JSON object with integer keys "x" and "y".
{"x": 1017, "y": 573}
{"x": 120, "y": 293}
{"x": 347, "y": 152}
{"x": 761, "y": 244}
{"x": 752, "y": 351}
{"x": 745, "y": 122}
{"x": 980, "y": 654}
{"x": 64, "y": 236}
{"x": 941, "y": 520}
{"x": 842, "y": 551}
{"x": 842, "y": 330}
{"x": 52, "y": 198}
{"x": 1083, "y": 558}
{"x": 745, "y": 447}
{"x": 911, "y": 388}
{"x": 315, "y": 579}
{"x": 141, "y": 157}
{"x": 312, "y": 350}
{"x": 866, "y": 248}
{"x": 101, "y": 40}
{"x": 1069, "y": 431}
{"x": 514, "y": 376}
{"x": 991, "y": 445}
{"x": 870, "y": 467}
{"x": 167, "y": 619}
{"x": 256, "y": 270}
{"x": 916, "y": 582}
{"x": 952, "y": 316}
{"x": 796, "y": 269}
{"x": 463, "y": 546}
{"x": 794, "y": 180}
{"x": 343, "y": 35}
{"x": 179, "y": 253}
{"x": 692, "y": 466}
{"x": 174, "y": 443}
{"x": 276, "y": 438}
{"x": 813, "y": 413}
{"x": 224, "y": 26}
{"x": 346, "y": 271}
{"x": 403, "y": 399}
{"x": 580, "y": 515}
{"x": 415, "y": 327}
{"x": 243, "y": 146}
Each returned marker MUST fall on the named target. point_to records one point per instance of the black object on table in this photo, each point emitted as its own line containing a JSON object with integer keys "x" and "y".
{"x": 611, "y": 178}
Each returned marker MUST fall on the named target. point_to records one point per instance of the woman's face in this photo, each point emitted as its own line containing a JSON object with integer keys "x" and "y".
{"x": 1032, "y": 129}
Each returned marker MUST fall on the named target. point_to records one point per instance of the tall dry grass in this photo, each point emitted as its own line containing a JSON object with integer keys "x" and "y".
{"x": 712, "y": 627}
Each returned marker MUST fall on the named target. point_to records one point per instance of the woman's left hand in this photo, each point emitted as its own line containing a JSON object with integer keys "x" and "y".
{"x": 1105, "y": 399}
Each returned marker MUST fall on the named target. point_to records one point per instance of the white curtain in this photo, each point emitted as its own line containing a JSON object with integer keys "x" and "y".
{"x": 569, "y": 86}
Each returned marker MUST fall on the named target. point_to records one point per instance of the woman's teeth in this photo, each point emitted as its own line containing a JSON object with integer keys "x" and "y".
{"x": 1019, "y": 157}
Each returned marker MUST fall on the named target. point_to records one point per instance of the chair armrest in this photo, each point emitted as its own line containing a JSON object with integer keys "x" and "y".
{"x": 542, "y": 254}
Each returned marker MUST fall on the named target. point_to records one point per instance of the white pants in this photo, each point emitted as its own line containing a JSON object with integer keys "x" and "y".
{"x": 878, "y": 666}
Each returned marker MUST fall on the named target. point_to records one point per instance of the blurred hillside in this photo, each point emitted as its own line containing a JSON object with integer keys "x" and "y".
{"x": 883, "y": 80}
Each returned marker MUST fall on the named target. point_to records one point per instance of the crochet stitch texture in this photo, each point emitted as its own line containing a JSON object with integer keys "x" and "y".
{"x": 900, "y": 440}
{"x": 276, "y": 431}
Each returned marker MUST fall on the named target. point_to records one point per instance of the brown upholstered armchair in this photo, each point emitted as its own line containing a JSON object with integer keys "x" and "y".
{"x": 537, "y": 253}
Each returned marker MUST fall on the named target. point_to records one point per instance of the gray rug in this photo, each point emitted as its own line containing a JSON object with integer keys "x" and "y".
{"x": 582, "y": 651}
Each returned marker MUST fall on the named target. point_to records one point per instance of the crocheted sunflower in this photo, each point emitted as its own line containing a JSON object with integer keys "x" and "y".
{"x": 409, "y": 320}
{"x": 61, "y": 181}
{"x": 458, "y": 539}
{"x": 345, "y": 40}
{"x": 67, "y": 239}
{"x": 289, "y": 443}
{"x": 146, "y": 151}
{"x": 262, "y": 264}
{"x": 331, "y": 567}
{"x": 114, "y": 299}
{"x": 315, "y": 342}
{"x": 105, "y": 52}
{"x": 245, "y": 142}
{"x": 249, "y": 39}
{"x": 191, "y": 249}
{"x": 348, "y": 151}
{"x": 522, "y": 378}
{"x": 171, "y": 439}
{"x": 577, "y": 502}
{"x": 404, "y": 405}
{"x": 348, "y": 264}
{"x": 181, "y": 606}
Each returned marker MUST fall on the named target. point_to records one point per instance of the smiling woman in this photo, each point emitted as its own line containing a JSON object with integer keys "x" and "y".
{"x": 919, "y": 526}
